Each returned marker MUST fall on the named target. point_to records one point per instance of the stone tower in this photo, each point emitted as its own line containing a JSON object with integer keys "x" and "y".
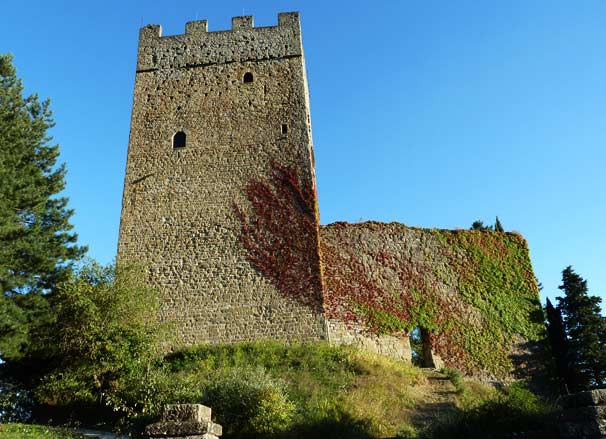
{"x": 219, "y": 202}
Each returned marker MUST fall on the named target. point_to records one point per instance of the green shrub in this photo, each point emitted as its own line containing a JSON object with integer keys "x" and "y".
{"x": 337, "y": 391}
{"x": 108, "y": 342}
{"x": 513, "y": 409}
{"x": 455, "y": 378}
{"x": 314, "y": 371}
{"x": 249, "y": 402}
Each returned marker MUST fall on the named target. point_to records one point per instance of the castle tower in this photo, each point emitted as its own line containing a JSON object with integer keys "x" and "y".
{"x": 219, "y": 202}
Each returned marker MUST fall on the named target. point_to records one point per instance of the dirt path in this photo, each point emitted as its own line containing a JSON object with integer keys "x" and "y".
{"x": 97, "y": 434}
{"x": 438, "y": 401}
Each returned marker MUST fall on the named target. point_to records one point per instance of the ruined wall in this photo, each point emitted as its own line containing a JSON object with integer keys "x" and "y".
{"x": 355, "y": 334}
{"x": 190, "y": 215}
{"x": 474, "y": 291}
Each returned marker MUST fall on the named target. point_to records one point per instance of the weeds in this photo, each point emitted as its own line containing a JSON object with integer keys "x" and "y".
{"x": 337, "y": 390}
{"x": 511, "y": 410}
{"x": 23, "y": 431}
{"x": 455, "y": 378}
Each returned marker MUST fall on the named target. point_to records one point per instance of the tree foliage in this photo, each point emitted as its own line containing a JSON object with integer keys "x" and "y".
{"x": 96, "y": 350}
{"x": 479, "y": 225}
{"x": 107, "y": 337}
{"x": 585, "y": 331}
{"x": 498, "y": 227}
{"x": 37, "y": 246}
{"x": 556, "y": 332}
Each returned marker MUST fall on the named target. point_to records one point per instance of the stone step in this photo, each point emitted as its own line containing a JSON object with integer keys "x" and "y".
{"x": 585, "y": 399}
{"x": 583, "y": 414}
{"x": 90, "y": 433}
{"x": 164, "y": 429}
{"x": 186, "y": 413}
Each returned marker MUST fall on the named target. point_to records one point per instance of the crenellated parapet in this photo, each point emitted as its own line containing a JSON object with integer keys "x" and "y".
{"x": 198, "y": 47}
{"x": 220, "y": 123}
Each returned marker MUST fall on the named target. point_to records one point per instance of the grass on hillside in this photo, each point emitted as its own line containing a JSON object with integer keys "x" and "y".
{"x": 23, "y": 431}
{"x": 268, "y": 389}
{"x": 503, "y": 413}
{"x": 337, "y": 390}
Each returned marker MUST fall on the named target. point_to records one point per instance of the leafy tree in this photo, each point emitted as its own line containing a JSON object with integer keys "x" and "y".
{"x": 96, "y": 351}
{"x": 585, "y": 330}
{"x": 107, "y": 337}
{"x": 479, "y": 225}
{"x": 36, "y": 245}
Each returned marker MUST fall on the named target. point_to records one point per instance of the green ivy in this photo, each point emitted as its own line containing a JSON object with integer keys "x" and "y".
{"x": 475, "y": 292}
{"x": 495, "y": 277}
{"x": 383, "y": 322}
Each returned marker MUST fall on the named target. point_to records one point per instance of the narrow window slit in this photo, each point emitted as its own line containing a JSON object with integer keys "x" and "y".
{"x": 179, "y": 139}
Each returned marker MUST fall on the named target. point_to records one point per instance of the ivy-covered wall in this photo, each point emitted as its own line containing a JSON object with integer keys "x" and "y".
{"x": 474, "y": 291}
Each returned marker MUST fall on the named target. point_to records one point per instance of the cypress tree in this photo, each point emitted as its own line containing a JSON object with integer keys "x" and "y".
{"x": 585, "y": 331}
{"x": 498, "y": 226}
{"x": 559, "y": 346}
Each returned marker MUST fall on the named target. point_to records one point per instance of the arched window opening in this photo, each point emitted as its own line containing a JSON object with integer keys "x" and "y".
{"x": 416, "y": 346}
{"x": 420, "y": 346}
{"x": 179, "y": 140}
{"x": 248, "y": 77}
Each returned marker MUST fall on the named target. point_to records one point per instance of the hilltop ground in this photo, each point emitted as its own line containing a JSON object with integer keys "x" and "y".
{"x": 268, "y": 389}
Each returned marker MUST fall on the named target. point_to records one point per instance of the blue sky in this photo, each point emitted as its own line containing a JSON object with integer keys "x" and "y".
{"x": 430, "y": 113}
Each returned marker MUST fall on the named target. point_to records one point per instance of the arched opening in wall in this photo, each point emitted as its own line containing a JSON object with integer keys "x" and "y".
{"x": 179, "y": 139}
{"x": 248, "y": 77}
{"x": 420, "y": 347}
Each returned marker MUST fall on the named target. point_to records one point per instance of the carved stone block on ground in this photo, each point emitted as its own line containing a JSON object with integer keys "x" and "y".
{"x": 584, "y": 415}
{"x": 186, "y": 412}
{"x": 585, "y": 399}
{"x": 185, "y": 421}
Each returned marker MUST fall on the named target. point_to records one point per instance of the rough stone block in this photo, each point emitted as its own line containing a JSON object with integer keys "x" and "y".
{"x": 186, "y": 412}
{"x": 182, "y": 429}
{"x": 196, "y": 27}
{"x": 578, "y": 430}
{"x": 204, "y": 436}
{"x": 242, "y": 22}
{"x": 585, "y": 399}
{"x": 583, "y": 414}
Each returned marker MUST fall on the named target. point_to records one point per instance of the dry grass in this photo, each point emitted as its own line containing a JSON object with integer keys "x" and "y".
{"x": 474, "y": 393}
{"x": 385, "y": 393}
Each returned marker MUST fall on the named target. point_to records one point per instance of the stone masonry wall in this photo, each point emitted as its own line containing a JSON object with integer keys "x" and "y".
{"x": 183, "y": 208}
{"x": 583, "y": 415}
{"x": 474, "y": 292}
{"x": 393, "y": 346}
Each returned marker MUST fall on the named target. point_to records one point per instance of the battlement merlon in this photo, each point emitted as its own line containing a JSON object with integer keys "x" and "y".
{"x": 198, "y": 47}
